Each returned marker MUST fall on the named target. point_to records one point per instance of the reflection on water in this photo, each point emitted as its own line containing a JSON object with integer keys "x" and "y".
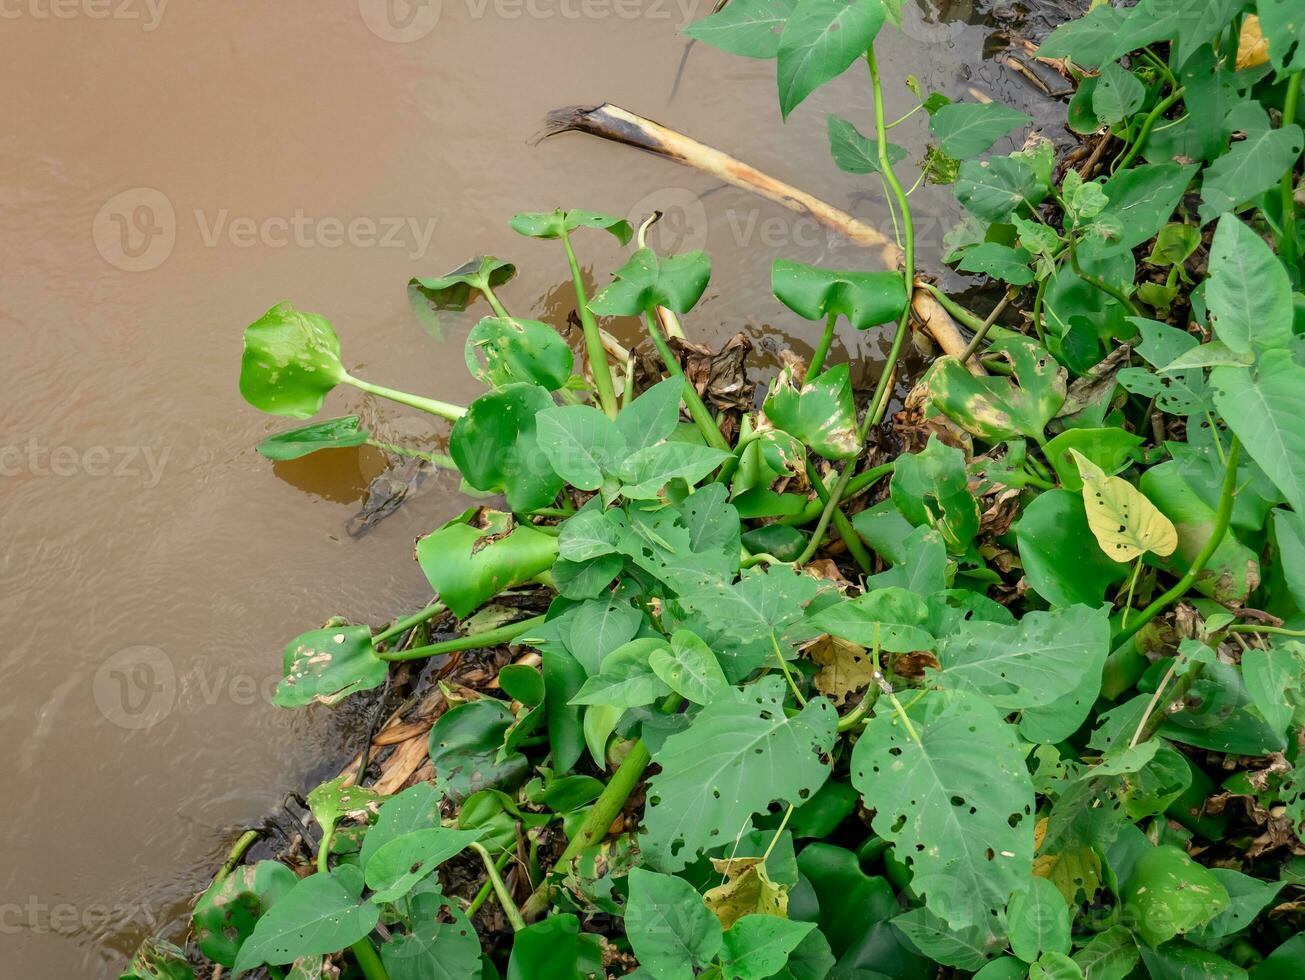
{"x": 167, "y": 177}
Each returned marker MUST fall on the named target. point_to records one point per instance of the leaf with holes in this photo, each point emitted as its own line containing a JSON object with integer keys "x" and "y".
{"x": 953, "y": 796}
{"x": 328, "y": 665}
{"x": 503, "y": 350}
{"x": 738, "y": 755}
{"x": 1123, "y": 521}
{"x": 1040, "y": 659}
{"x": 321, "y": 914}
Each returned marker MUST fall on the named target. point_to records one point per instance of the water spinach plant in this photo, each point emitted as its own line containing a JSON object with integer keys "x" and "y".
{"x": 1024, "y": 701}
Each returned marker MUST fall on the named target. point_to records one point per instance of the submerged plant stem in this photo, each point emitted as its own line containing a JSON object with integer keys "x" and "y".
{"x": 487, "y": 638}
{"x": 445, "y": 410}
{"x": 594, "y": 349}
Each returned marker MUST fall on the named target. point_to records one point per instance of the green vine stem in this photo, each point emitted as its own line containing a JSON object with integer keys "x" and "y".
{"x": 440, "y": 460}
{"x": 605, "y": 810}
{"x": 822, "y": 349}
{"x": 499, "y": 309}
{"x": 445, "y": 410}
{"x": 488, "y": 886}
{"x": 1148, "y": 123}
{"x": 487, "y": 638}
{"x": 500, "y": 888}
{"x": 1125, "y": 665}
{"x": 1287, "y": 244}
{"x": 407, "y": 623}
{"x": 879, "y": 405}
{"x": 370, "y": 964}
{"x": 845, "y": 530}
{"x": 697, "y": 410}
{"x": 594, "y": 349}
{"x": 243, "y": 843}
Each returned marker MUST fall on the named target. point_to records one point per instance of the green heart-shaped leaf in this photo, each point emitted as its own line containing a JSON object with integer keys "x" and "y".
{"x": 502, "y": 350}
{"x": 465, "y": 569}
{"x": 496, "y": 448}
{"x": 453, "y": 290}
{"x": 552, "y": 224}
{"x": 867, "y": 299}
{"x": 999, "y": 408}
{"x": 291, "y": 361}
{"x": 328, "y": 665}
{"x": 646, "y": 282}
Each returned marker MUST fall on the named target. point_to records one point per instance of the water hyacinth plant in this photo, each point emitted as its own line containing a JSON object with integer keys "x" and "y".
{"x": 752, "y": 700}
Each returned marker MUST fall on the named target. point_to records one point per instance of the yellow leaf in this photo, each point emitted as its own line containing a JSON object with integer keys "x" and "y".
{"x": 1252, "y": 48}
{"x": 1122, "y": 520}
{"x": 844, "y": 667}
{"x": 747, "y": 890}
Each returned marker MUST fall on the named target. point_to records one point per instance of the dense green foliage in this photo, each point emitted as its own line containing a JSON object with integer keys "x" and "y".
{"x": 1041, "y": 716}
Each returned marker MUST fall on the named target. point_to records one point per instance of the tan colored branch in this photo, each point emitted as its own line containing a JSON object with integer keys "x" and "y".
{"x": 611, "y": 122}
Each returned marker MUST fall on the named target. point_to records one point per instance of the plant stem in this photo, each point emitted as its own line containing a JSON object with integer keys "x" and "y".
{"x": 445, "y": 410}
{"x": 487, "y": 638}
{"x": 403, "y": 625}
{"x": 788, "y": 674}
{"x": 1271, "y": 630}
{"x": 237, "y": 853}
{"x": 1100, "y": 284}
{"x": 778, "y": 831}
{"x": 594, "y": 349}
{"x": 697, "y": 410}
{"x": 1125, "y": 666}
{"x": 818, "y": 356}
{"x": 951, "y": 306}
{"x": 982, "y": 332}
{"x": 441, "y": 460}
{"x": 488, "y": 886}
{"x": 1156, "y": 112}
{"x": 364, "y": 953}
{"x": 500, "y": 888}
{"x": 845, "y": 530}
{"x": 597, "y": 821}
{"x": 499, "y": 310}
{"x": 1287, "y": 246}
{"x": 879, "y": 404}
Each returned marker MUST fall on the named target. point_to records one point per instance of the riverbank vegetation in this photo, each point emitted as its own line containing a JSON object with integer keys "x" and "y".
{"x": 728, "y": 689}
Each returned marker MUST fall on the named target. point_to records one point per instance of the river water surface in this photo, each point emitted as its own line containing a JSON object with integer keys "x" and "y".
{"x": 168, "y": 171}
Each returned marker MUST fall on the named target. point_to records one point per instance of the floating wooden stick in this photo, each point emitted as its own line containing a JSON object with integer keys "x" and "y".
{"x": 611, "y": 122}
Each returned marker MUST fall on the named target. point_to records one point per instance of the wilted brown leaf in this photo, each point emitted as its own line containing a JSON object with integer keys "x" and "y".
{"x": 844, "y": 667}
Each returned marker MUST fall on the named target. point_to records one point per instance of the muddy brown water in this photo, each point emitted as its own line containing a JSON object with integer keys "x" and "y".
{"x": 168, "y": 171}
